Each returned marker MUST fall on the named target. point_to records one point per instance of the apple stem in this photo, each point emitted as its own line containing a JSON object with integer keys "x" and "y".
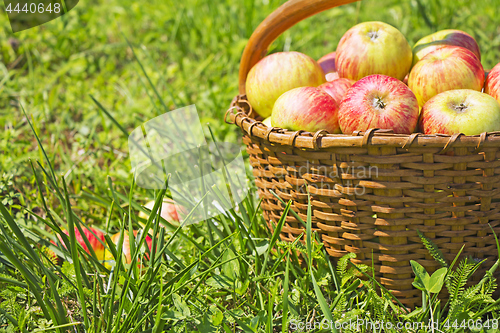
{"x": 373, "y": 35}
{"x": 461, "y": 107}
{"x": 378, "y": 103}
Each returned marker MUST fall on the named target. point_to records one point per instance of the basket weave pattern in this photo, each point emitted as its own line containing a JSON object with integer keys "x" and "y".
{"x": 371, "y": 192}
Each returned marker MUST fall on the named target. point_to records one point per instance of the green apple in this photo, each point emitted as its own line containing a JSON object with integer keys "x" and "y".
{"x": 460, "y": 111}
{"x": 278, "y": 73}
{"x": 267, "y": 122}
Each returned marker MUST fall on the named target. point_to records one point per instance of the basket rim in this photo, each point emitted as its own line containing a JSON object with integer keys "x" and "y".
{"x": 242, "y": 115}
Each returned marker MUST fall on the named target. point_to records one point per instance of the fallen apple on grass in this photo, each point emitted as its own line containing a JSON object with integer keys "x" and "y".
{"x": 492, "y": 86}
{"x": 97, "y": 246}
{"x": 278, "y": 73}
{"x": 447, "y": 68}
{"x": 442, "y": 38}
{"x": 306, "y": 108}
{"x": 337, "y": 88}
{"x": 460, "y": 111}
{"x": 168, "y": 211}
{"x": 126, "y": 251}
{"x": 373, "y": 48}
{"x": 50, "y": 254}
{"x": 327, "y": 62}
{"x": 379, "y": 101}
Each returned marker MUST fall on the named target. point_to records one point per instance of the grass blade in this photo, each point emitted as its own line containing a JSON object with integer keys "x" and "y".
{"x": 275, "y": 235}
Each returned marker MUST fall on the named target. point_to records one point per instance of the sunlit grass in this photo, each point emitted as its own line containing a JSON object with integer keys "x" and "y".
{"x": 226, "y": 274}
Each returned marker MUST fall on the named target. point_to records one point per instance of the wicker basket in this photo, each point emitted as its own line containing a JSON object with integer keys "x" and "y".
{"x": 371, "y": 191}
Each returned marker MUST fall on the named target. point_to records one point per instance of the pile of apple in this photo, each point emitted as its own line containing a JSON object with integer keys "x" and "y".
{"x": 375, "y": 80}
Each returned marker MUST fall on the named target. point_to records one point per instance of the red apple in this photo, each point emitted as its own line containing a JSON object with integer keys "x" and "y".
{"x": 327, "y": 62}
{"x": 337, "y": 88}
{"x": 379, "y": 101}
{"x": 373, "y": 48}
{"x": 278, "y": 73}
{"x": 442, "y": 38}
{"x": 97, "y": 246}
{"x": 126, "y": 245}
{"x": 460, "y": 111}
{"x": 492, "y": 86}
{"x": 447, "y": 68}
{"x": 306, "y": 108}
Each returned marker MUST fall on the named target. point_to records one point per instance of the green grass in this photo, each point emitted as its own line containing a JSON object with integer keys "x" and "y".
{"x": 190, "y": 51}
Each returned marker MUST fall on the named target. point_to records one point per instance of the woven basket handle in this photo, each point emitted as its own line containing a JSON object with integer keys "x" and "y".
{"x": 286, "y": 16}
